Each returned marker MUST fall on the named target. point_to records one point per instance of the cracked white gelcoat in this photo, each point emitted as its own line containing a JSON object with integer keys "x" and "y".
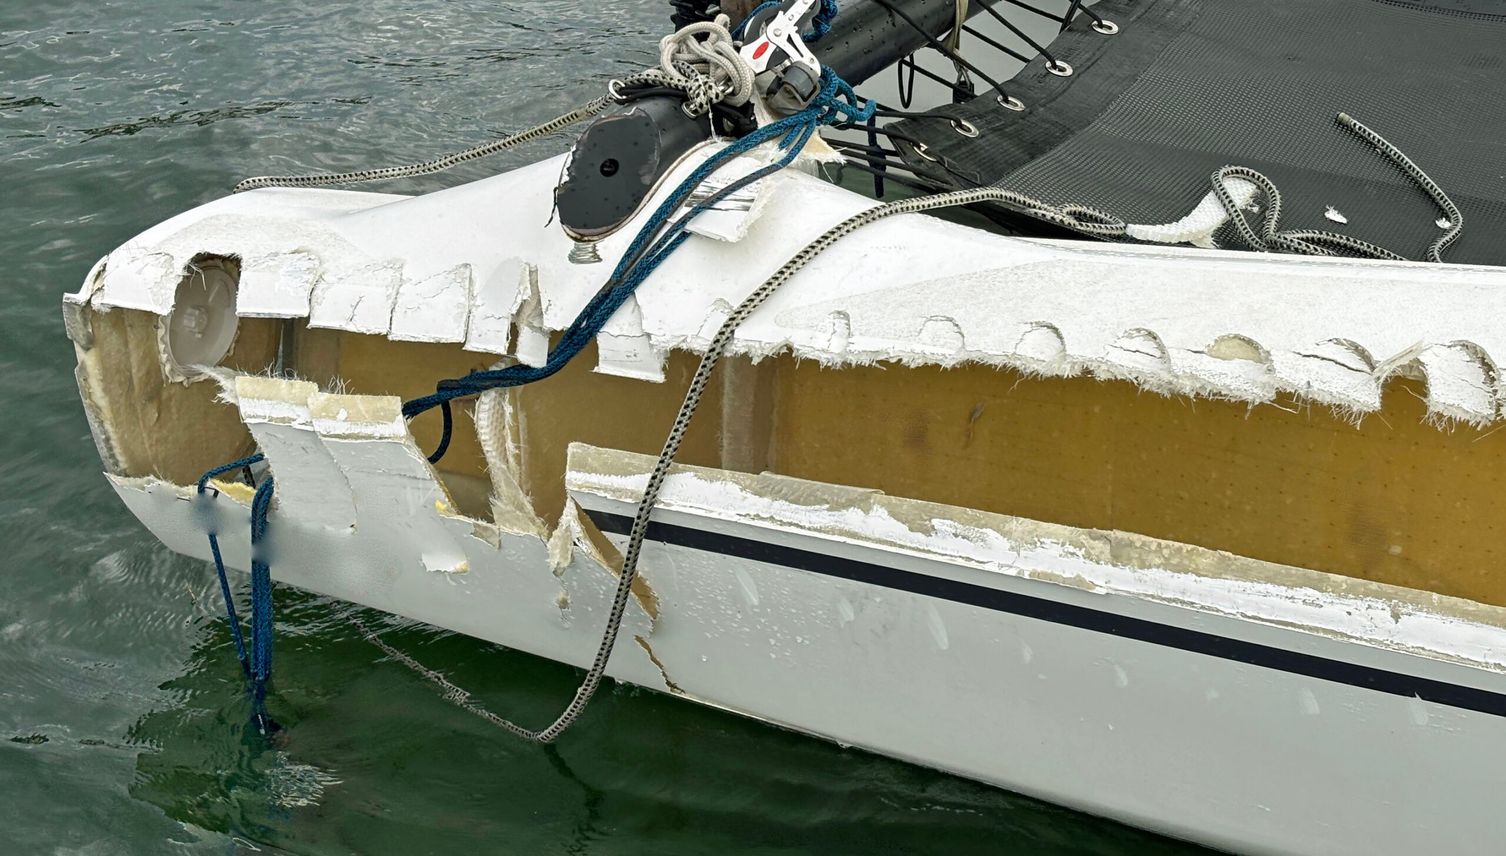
{"x": 910, "y": 289}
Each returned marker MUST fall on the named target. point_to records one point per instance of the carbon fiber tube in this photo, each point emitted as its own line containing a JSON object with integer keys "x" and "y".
{"x": 867, "y": 38}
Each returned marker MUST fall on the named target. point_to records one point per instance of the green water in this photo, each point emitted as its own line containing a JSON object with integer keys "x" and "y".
{"x": 121, "y": 710}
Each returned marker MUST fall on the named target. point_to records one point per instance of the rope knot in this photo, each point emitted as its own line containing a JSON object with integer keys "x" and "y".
{"x": 700, "y": 60}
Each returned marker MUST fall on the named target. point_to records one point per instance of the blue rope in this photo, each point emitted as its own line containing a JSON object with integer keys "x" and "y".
{"x": 261, "y": 608}
{"x": 256, "y": 664}
{"x": 835, "y": 103}
{"x": 821, "y": 22}
{"x": 219, "y": 562}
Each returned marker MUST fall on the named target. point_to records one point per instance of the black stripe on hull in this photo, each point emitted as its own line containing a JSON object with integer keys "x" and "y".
{"x": 1139, "y": 629}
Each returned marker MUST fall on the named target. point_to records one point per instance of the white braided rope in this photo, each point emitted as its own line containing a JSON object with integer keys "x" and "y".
{"x": 701, "y": 60}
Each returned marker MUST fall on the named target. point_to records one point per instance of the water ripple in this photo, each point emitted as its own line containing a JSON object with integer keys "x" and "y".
{"x": 122, "y": 710}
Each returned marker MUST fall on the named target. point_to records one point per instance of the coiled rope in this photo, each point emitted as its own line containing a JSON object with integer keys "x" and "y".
{"x": 1324, "y": 243}
{"x": 701, "y": 60}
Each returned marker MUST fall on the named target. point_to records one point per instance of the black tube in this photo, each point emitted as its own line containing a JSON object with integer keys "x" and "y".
{"x": 867, "y": 38}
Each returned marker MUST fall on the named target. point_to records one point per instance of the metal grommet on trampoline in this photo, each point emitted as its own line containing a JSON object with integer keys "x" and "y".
{"x": 1058, "y": 68}
{"x": 964, "y": 127}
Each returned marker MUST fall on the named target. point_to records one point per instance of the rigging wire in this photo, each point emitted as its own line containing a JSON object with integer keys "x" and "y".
{"x": 940, "y": 46}
{"x": 1039, "y": 48}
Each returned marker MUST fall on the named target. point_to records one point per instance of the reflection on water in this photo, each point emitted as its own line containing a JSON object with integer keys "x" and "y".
{"x": 122, "y": 714}
{"x": 371, "y": 760}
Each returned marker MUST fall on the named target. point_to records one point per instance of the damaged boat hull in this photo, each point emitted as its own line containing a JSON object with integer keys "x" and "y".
{"x": 1246, "y": 704}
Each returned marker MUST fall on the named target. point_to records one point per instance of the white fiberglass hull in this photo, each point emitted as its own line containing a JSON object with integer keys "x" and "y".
{"x": 1014, "y": 659}
{"x": 1246, "y": 705}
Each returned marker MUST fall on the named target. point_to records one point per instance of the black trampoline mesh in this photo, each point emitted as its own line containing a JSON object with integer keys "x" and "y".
{"x": 1189, "y": 86}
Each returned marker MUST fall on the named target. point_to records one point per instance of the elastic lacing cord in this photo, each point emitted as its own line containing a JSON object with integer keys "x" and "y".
{"x": 879, "y": 160}
{"x": 1072, "y": 9}
{"x": 881, "y": 171}
{"x": 1001, "y": 47}
{"x": 1060, "y": 19}
{"x": 921, "y": 149}
{"x": 909, "y": 65}
{"x": 907, "y": 68}
{"x": 905, "y": 86}
{"x": 1324, "y": 243}
{"x": 883, "y": 168}
{"x": 890, "y": 113}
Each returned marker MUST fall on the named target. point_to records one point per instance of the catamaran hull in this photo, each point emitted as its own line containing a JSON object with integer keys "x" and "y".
{"x": 1249, "y": 705}
{"x": 1227, "y": 730}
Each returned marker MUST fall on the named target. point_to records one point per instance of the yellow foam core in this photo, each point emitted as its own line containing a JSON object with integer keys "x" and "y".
{"x": 1390, "y": 498}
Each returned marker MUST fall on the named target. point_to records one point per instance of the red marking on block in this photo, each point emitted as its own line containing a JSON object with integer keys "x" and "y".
{"x": 760, "y": 50}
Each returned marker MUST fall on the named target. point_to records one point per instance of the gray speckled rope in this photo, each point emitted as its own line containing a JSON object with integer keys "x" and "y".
{"x": 714, "y": 352}
{"x": 441, "y": 164}
{"x": 1315, "y": 242}
{"x": 448, "y": 691}
{"x": 700, "y": 60}
{"x": 1450, "y": 210}
{"x": 1307, "y": 242}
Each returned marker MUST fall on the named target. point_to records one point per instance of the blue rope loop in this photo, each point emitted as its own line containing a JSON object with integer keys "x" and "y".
{"x": 220, "y": 470}
{"x": 835, "y": 103}
{"x": 231, "y": 617}
{"x": 219, "y": 561}
{"x": 256, "y": 661}
{"x": 261, "y": 609}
